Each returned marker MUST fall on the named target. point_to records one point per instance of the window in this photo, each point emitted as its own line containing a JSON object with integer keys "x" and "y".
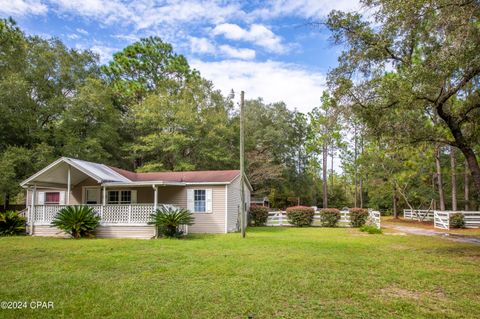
{"x": 119, "y": 197}
{"x": 91, "y": 196}
{"x": 52, "y": 198}
{"x": 200, "y": 200}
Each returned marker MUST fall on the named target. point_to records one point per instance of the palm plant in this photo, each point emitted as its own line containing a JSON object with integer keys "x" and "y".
{"x": 168, "y": 220}
{"x": 78, "y": 221}
{"x": 11, "y": 223}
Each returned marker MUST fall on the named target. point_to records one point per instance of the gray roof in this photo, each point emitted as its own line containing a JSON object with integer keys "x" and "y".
{"x": 103, "y": 172}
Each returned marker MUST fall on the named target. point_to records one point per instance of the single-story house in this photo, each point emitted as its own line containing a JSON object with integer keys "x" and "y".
{"x": 125, "y": 199}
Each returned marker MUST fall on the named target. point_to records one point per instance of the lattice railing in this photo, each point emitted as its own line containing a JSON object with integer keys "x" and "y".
{"x": 134, "y": 214}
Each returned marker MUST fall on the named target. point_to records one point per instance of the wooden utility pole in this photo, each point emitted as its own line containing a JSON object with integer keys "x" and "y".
{"x": 242, "y": 163}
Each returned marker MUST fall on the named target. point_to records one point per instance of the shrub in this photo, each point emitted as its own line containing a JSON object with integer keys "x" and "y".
{"x": 300, "y": 215}
{"x": 11, "y": 223}
{"x": 78, "y": 221}
{"x": 358, "y": 216}
{"x": 258, "y": 215}
{"x": 457, "y": 220}
{"x": 168, "y": 220}
{"x": 329, "y": 217}
{"x": 370, "y": 229}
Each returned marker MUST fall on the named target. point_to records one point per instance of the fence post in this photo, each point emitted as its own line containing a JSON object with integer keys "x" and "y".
{"x": 129, "y": 213}
{"x": 43, "y": 214}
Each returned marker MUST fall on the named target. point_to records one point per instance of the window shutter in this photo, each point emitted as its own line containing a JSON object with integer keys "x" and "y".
{"x": 208, "y": 198}
{"x": 134, "y": 196}
{"x": 40, "y": 198}
{"x": 62, "y": 198}
{"x": 190, "y": 200}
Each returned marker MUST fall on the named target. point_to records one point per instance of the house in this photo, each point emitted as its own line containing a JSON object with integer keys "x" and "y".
{"x": 125, "y": 199}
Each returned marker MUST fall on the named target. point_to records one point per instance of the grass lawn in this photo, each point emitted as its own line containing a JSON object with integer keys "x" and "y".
{"x": 275, "y": 272}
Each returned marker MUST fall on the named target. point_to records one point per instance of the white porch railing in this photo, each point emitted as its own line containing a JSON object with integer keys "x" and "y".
{"x": 133, "y": 214}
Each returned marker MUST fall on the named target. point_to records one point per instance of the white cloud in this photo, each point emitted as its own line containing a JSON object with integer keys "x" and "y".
{"x": 73, "y": 36}
{"x": 313, "y": 9}
{"x": 201, "y": 45}
{"x": 244, "y": 54}
{"x": 273, "y": 81}
{"x": 82, "y": 31}
{"x": 105, "y": 53}
{"x": 257, "y": 34}
{"x": 22, "y": 7}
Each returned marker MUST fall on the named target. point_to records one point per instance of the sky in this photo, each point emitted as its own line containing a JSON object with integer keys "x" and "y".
{"x": 269, "y": 49}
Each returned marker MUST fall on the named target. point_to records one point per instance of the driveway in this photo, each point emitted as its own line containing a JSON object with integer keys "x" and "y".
{"x": 429, "y": 232}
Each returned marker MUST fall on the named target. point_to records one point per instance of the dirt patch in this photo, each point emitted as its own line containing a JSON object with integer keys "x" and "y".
{"x": 397, "y": 292}
{"x": 396, "y": 234}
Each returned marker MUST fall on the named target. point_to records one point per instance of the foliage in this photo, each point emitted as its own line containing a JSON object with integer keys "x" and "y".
{"x": 406, "y": 84}
{"x": 457, "y": 220}
{"x": 168, "y": 220}
{"x": 11, "y": 223}
{"x": 78, "y": 221}
{"x": 358, "y": 216}
{"x": 370, "y": 229}
{"x": 300, "y": 215}
{"x": 259, "y": 215}
{"x": 329, "y": 217}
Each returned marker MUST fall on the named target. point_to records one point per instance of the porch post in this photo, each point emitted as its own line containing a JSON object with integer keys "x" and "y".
{"x": 68, "y": 185}
{"x": 104, "y": 200}
{"x": 32, "y": 215}
{"x": 155, "y": 197}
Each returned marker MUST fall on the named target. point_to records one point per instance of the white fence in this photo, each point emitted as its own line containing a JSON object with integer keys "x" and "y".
{"x": 279, "y": 218}
{"x": 442, "y": 219}
{"x": 418, "y": 214}
{"x": 133, "y": 214}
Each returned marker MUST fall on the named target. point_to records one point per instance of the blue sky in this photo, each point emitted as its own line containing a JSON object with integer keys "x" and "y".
{"x": 265, "y": 48}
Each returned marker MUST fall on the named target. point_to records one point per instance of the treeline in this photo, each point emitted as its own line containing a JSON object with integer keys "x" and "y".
{"x": 402, "y": 112}
{"x": 408, "y": 87}
{"x": 147, "y": 110}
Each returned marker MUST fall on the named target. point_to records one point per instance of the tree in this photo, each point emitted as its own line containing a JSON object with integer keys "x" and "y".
{"x": 399, "y": 74}
{"x": 324, "y": 131}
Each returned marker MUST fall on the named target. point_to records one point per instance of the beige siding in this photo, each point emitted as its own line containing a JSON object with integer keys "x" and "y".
{"x": 47, "y": 231}
{"x": 204, "y": 222}
{"x": 234, "y": 201}
{"x": 141, "y": 232}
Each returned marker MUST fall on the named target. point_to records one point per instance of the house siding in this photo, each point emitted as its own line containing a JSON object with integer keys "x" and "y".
{"x": 140, "y": 232}
{"x": 213, "y": 222}
{"x": 234, "y": 202}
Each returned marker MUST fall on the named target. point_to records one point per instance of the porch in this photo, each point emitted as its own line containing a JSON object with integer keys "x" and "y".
{"x": 111, "y": 215}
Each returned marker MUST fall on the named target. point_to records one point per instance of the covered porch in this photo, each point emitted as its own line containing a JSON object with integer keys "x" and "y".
{"x": 116, "y": 199}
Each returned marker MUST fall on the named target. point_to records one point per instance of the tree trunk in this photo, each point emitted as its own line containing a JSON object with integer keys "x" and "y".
{"x": 466, "y": 182}
{"x": 454, "y": 178}
{"x": 439, "y": 178}
{"x": 361, "y": 191}
{"x": 331, "y": 171}
{"x": 355, "y": 167}
{"x": 394, "y": 199}
{"x": 325, "y": 181}
{"x": 462, "y": 144}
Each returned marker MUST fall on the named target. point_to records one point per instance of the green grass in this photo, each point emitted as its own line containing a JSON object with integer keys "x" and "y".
{"x": 275, "y": 272}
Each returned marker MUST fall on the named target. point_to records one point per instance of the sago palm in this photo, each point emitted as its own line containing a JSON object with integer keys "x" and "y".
{"x": 167, "y": 220}
{"x": 78, "y": 221}
{"x": 11, "y": 223}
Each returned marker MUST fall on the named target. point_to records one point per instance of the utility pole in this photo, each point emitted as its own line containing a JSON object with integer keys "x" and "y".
{"x": 242, "y": 163}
